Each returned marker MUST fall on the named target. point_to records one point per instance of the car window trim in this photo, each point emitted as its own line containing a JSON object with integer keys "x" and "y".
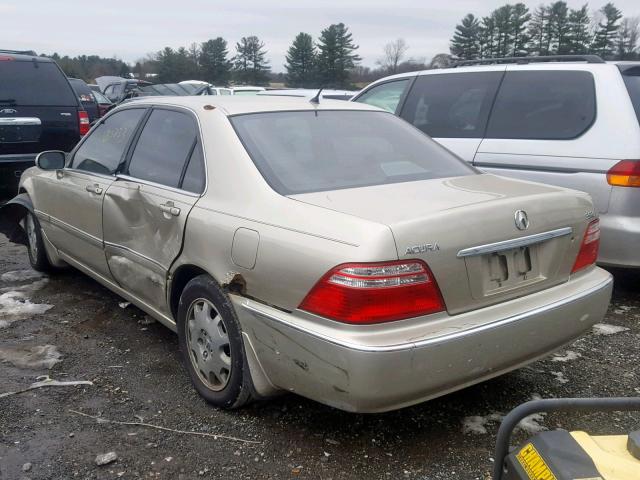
{"x": 72, "y": 155}
{"x": 124, "y": 174}
{"x": 576, "y": 137}
{"x": 185, "y": 167}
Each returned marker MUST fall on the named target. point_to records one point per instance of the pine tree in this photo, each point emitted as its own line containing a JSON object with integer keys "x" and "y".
{"x": 488, "y": 38}
{"x": 336, "y": 56}
{"x": 520, "y": 16}
{"x": 538, "y": 31}
{"x": 214, "y": 64}
{"x": 250, "y": 65}
{"x": 166, "y": 59}
{"x": 466, "y": 39}
{"x": 301, "y": 62}
{"x": 502, "y": 20}
{"x": 606, "y": 32}
{"x": 559, "y": 28}
{"x": 579, "y": 36}
{"x": 627, "y": 41}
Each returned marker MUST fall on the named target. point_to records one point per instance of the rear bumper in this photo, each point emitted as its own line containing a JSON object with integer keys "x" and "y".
{"x": 370, "y": 369}
{"x": 619, "y": 241}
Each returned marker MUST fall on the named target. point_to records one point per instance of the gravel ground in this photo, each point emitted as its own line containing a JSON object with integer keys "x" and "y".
{"x": 137, "y": 376}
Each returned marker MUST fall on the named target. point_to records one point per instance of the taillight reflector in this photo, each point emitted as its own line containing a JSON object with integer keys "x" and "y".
{"x": 363, "y": 293}
{"x": 588, "y": 253}
{"x": 83, "y": 120}
{"x": 625, "y": 174}
{"x": 6, "y": 58}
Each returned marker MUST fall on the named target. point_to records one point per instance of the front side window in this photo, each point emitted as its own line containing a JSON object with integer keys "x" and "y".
{"x": 452, "y": 105}
{"x": 312, "y": 151}
{"x": 104, "y": 148}
{"x": 385, "y": 96}
{"x": 165, "y": 144}
{"x": 543, "y": 105}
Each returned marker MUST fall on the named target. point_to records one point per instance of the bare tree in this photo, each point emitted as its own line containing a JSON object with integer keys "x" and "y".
{"x": 394, "y": 53}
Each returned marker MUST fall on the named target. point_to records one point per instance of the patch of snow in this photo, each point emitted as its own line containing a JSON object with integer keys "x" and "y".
{"x": 14, "y": 304}
{"x": 570, "y": 355}
{"x": 20, "y": 275}
{"x": 476, "y": 424}
{"x": 40, "y": 356}
{"x": 531, "y": 424}
{"x": 607, "y": 329}
{"x": 560, "y": 377}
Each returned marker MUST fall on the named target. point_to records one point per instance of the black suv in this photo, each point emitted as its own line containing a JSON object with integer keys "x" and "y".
{"x": 38, "y": 111}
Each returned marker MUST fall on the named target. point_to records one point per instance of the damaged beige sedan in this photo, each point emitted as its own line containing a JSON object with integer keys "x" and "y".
{"x": 331, "y": 249}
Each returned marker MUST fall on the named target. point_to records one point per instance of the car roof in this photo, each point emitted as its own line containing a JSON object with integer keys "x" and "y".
{"x": 25, "y": 58}
{"x": 231, "y": 105}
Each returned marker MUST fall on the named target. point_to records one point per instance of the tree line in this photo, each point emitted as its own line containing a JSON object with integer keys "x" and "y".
{"x": 553, "y": 29}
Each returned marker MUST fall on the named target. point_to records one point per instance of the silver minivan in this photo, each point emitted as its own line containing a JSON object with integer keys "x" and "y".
{"x": 573, "y": 122}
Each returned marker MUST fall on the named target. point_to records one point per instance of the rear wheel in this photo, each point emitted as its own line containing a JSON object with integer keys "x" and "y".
{"x": 211, "y": 344}
{"x": 35, "y": 245}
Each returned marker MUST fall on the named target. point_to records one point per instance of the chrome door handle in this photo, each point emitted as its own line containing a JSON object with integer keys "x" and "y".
{"x": 170, "y": 209}
{"x": 93, "y": 189}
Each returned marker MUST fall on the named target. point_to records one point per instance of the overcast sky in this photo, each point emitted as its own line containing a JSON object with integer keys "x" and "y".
{"x": 129, "y": 29}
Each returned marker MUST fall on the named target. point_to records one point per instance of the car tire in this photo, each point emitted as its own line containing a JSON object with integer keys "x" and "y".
{"x": 35, "y": 245}
{"x": 211, "y": 344}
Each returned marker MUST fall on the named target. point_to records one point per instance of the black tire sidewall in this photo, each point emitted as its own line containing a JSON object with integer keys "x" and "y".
{"x": 205, "y": 287}
{"x": 41, "y": 262}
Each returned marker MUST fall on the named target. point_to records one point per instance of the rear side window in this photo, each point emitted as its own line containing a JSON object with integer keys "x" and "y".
{"x": 543, "y": 105}
{"x": 34, "y": 83}
{"x": 452, "y": 105}
{"x": 194, "y": 176}
{"x": 104, "y": 149}
{"x": 165, "y": 144}
{"x": 312, "y": 151}
{"x": 386, "y": 96}
{"x": 632, "y": 81}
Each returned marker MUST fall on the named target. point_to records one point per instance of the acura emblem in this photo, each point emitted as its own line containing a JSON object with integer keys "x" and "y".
{"x": 522, "y": 220}
{"x": 8, "y": 110}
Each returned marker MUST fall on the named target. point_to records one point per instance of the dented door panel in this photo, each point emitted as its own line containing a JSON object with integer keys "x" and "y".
{"x": 144, "y": 227}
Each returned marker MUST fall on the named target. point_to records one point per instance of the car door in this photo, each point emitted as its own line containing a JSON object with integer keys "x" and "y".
{"x": 71, "y": 199}
{"x": 146, "y": 208}
{"x": 539, "y": 127}
{"x": 453, "y": 108}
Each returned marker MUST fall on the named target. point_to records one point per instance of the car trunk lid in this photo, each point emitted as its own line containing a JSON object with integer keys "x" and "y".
{"x": 465, "y": 229}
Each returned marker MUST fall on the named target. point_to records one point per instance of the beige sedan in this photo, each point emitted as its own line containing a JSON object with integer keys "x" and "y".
{"x": 330, "y": 250}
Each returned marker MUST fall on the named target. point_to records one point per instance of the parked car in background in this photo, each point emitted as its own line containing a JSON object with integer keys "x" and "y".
{"x": 104, "y": 104}
{"x": 573, "y": 121}
{"x": 85, "y": 95}
{"x": 94, "y": 87}
{"x": 246, "y": 90}
{"x": 310, "y": 93}
{"x": 38, "y": 111}
{"x": 118, "y": 89}
{"x": 172, "y": 89}
{"x": 371, "y": 270}
{"x": 213, "y": 90}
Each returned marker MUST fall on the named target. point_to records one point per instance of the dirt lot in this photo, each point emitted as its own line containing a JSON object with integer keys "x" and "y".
{"x": 137, "y": 377}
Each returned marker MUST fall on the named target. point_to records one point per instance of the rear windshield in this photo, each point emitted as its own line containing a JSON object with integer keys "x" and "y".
{"x": 34, "y": 83}
{"x": 632, "y": 81}
{"x": 312, "y": 151}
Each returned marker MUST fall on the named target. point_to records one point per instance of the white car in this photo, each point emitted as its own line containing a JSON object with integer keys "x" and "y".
{"x": 310, "y": 93}
{"x": 213, "y": 89}
{"x": 571, "y": 121}
{"x": 246, "y": 90}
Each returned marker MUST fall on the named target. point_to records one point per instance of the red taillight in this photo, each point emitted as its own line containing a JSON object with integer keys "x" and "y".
{"x": 625, "y": 174}
{"x": 375, "y": 292}
{"x": 5, "y": 58}
{"x": 588, "y": 253}
{"x": 83, "y": 120}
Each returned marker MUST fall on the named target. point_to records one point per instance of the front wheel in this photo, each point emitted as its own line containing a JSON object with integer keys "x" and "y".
{"x": 211, "y": 344}
{"x": 35, "y": 245}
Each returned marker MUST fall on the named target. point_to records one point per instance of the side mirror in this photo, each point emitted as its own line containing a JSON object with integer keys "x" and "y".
{"x": 51, "y": 160}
